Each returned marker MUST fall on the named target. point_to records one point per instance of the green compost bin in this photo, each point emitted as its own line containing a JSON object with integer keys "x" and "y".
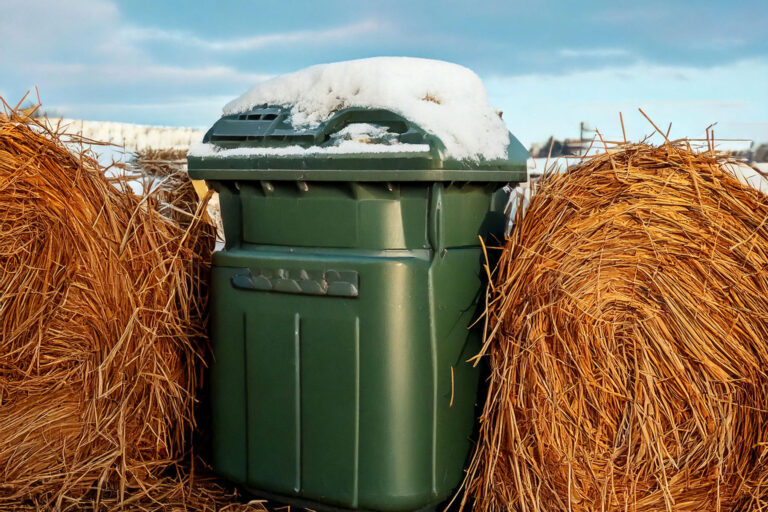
{"x": 341, "y": 309}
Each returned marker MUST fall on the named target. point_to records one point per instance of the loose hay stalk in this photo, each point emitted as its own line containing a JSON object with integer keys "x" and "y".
{"x": 627, "y": 336}
{"x": 102, "y": 334}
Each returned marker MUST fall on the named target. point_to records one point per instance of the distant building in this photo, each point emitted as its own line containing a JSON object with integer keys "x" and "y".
{"x": 753, "y": 154}
{"x": 567, "y": 147}
{"x": 761, "y": 153}
{"x": 556, "y": 148}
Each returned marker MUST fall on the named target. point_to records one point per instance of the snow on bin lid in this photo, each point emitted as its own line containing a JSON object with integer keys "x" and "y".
{"x": 356, "y": 138}
{"x": 444, "y": 99}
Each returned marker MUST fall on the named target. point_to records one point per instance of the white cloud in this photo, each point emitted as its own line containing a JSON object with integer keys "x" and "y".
{"x": 68, "y": 47}
{"x": 255, "y": 42}
{"x": 56, "y": 30}
{"x": 89, "y": 61}
{"x": 182, "y": 103}
{"x": 129, "y": 74}
{"x": 599, "y": 53}
{"x": 720, "y": 42}
{"x": 83, "y": 42}
{"x": 620, "y": 13}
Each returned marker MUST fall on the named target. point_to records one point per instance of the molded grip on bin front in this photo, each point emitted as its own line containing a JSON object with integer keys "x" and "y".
{"x": 335, "y": 283}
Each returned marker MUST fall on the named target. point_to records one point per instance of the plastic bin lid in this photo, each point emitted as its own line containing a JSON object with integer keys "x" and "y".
{"x": 355, "y": 144}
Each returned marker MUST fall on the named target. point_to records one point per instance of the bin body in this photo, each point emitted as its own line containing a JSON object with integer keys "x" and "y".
{"x": 340, "y": 323}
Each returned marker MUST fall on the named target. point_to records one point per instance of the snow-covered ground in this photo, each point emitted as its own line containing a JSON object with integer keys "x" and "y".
{"x": 133, "y": 137}
{"x": 536, "y": 166}
{"x": 749, "y": 176}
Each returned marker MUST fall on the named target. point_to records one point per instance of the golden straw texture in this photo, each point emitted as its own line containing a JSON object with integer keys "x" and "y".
{"x": 627, "y": 338}
{"x": 167, "y": 171}
{"x": 102, "y": 334}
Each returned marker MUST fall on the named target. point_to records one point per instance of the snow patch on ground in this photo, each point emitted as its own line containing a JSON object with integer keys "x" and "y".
{"x": 134, "y": 137}
{"x": 444, "y": 99}
{"x": 748, "y": 175}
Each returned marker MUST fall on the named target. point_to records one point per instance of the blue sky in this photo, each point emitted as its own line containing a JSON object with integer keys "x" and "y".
{"x": 548, "y": 65}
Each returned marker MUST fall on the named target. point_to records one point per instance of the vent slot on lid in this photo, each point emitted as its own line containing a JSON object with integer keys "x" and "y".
{"x": 257, "y": 117}
{"x": 266, "y": 140}
{"x": 228, "y": 138}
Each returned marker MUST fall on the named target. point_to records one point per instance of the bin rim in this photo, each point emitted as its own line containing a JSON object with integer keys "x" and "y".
{"x": 213, "y": 173}
{"x": 237, "y": 138}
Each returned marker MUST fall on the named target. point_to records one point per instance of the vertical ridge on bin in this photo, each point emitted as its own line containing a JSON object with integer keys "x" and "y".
{"x": 245, "y": 388}
{"x": 433, "y": 367}
{"x": 297, "y": 395}
{"x": 435, "y": 218}
{"x": 356, "y": 475}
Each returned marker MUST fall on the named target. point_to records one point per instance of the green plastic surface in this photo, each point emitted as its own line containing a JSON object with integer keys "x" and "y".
{"x": 340, "y": 323}
{"x": 238, "y": 131}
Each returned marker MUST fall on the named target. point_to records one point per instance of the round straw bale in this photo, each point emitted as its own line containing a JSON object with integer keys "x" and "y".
{"x": 627, "y": 337}
{"x": 102, "y": 330}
